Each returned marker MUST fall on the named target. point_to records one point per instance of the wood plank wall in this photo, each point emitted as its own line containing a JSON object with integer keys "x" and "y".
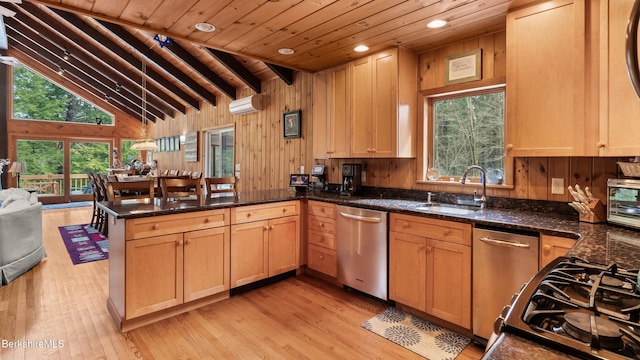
{"x": 265, "y": 156}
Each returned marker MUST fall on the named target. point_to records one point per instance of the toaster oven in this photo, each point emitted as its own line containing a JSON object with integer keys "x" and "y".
{"x": 623, "y": 202}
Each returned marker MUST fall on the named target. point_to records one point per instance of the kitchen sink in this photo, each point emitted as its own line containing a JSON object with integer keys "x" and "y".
{"x": 453, "y": 209}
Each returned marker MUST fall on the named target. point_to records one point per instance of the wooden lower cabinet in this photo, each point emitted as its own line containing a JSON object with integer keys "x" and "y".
{"x": 552, "y": 247}
{"x": 449, "y": 282}
{"x": 408, "y": 269}
{"x": 430, "y": 267}
{"x": 265, "y": 248}
{"x": 321, "y": 238}
{"x": 165, "y": 271}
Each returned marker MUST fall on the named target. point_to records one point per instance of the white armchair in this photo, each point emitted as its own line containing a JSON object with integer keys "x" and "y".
{"x": 21, "y": 245}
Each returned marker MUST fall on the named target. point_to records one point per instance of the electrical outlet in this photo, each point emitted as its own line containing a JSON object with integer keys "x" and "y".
{"x": 557, "y": 186}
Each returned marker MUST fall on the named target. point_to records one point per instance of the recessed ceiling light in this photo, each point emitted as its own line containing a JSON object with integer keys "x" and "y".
{"x": 286, "y": 51}
{"x": 205, "y": 27}
{"x": 361, "y": 48}
{"x": 436, "y": 24}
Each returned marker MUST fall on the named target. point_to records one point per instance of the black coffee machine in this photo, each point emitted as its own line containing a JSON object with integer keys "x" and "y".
{"x": 351, "y": 179}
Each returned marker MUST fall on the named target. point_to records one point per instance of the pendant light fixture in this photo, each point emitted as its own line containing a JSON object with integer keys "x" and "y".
{"x": 144, "y": 143}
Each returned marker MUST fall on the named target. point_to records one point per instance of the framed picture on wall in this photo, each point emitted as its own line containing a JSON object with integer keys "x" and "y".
{"x": 292, "y": 124}
{"x": 463, "y": 67}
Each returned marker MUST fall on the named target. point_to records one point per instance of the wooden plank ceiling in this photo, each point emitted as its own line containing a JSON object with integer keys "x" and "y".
{"x": 101, "y": 45}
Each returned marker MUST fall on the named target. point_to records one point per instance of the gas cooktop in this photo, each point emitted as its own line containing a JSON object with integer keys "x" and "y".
{"x": 587, "y": 310}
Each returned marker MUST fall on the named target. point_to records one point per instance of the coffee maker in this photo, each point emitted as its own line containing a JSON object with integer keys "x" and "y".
{"x": 351, "y": 179}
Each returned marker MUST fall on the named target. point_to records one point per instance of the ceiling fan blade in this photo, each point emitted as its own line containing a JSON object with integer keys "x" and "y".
{"x": 6, "y": 12}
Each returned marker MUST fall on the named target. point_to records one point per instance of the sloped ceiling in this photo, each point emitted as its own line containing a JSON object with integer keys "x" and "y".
{"x": 101, "y": 45}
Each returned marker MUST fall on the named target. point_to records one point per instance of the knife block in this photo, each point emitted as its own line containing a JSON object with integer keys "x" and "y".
{"x": 597, "y": 215}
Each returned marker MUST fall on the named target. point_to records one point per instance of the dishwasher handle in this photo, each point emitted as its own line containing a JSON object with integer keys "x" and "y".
{"x": 505, "y": 243}
{"x": 361, "y": 218}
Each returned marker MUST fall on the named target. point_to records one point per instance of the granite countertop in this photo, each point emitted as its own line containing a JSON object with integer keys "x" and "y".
{"x": 597, "y": 243}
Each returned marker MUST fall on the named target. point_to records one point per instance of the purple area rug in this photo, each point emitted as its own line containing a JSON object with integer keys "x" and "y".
{"x": 84, "y": 243}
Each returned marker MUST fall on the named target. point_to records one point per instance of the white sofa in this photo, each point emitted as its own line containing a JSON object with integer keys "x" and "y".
{"x": 20, "y": 233}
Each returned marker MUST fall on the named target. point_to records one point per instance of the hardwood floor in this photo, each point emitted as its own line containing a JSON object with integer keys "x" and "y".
{"x": 299, "y": 318}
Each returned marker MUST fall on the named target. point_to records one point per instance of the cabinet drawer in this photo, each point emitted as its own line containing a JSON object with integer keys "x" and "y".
{"x": 322, "y": 239}
{"x": 322, "y": 224}
{"x": 178, "y": 223}
{"x": 244, "y": 214}
{"x": 323, "y": 260}
{"x": 323, "y": 209}
{"x": 450, "y": 231}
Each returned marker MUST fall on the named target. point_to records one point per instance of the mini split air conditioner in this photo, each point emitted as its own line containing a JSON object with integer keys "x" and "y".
{"x": 246, "y": 105}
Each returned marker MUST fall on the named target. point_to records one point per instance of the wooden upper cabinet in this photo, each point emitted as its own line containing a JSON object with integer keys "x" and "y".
{"x": 385, "y": 88}
{"x": 546, "y": 82}
{"x": 367, "y": 108}
{"x": 619, "y": 104}
{"x": 332, "y": 113}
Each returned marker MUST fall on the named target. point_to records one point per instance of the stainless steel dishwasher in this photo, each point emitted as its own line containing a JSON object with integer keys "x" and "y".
{"x": 362, "y": 248}
{"x": 502, "y": 263}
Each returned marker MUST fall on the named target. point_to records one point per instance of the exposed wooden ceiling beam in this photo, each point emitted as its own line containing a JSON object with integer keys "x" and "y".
{"x": 134, "y": 76}
{"x": 203, "y": 69}
{"x": 82, "y": 26}
{"x": 236, "y": 67}
{"x": 78, "y": 58}
{"x": 144, "y": 49}
{"x": 83, "y": 82}
{"x": 83, "y": 73}
{"x": 284, "y": 73}
{"x": 55, "y": 4}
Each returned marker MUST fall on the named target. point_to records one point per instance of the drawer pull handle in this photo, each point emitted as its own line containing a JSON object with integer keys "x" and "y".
{"x": 207, "y": 220}
{"x": 321, "y": 257}
{"x": 155, "y": 227}
{"x": 322, "y": 225}
{"x": 249, "y": 214}
{"x": 284, "y": 210}
{"x": 405, "y": 225}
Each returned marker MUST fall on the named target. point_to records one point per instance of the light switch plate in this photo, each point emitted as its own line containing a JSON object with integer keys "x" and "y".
{"x": 557, "y": 186}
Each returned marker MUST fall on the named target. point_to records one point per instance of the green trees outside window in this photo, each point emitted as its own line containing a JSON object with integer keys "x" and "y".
{"x": 468, "y": 130}
{"x": 36, "y": 98}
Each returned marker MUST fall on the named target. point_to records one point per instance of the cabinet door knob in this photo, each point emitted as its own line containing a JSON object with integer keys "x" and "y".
{"x": 188, "y": 241}
{"x": 265, "y": 228}
{"x": 284, "y": 210}
{"x": 207, "y": 220}
{"x": 321, "y": 257}
{"x": 601, "y": 144}
{"x": 271, "y": 227}
{"x": 179, "y": 242}
{"x": 322, "y": 209}
{"x": 421, "y": 247}
{"x": 249, "y": 214}
{"x": 546, "y": 248}
{"x": 509, "y": 147}
{"x": 368, "y": 150}
{"x": 321, "y": 225}
{"x": 429, "y": 248}
{"x": 155, "y": 227}
{"x": 447, "y": 232}
{"x": 405, "y": 225}
{"x": 373, "y": 150}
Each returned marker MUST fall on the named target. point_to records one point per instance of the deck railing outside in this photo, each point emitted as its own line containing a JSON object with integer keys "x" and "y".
{"x": 53, "y": 184}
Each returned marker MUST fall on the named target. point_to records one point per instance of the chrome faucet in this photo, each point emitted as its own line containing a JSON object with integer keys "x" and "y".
{"x": 483, "y": 199}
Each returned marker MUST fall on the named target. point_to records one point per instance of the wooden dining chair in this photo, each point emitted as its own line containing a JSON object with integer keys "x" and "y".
{"x": 179, "y": 187}
{"x": 220, "y": 185}
{"x": 139, "y": 189}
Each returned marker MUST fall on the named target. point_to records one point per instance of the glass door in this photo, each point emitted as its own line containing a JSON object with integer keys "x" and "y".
{"x": 57, "y": 169}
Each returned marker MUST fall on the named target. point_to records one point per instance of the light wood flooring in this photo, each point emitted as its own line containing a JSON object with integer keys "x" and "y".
{"x": 299, "y": 318}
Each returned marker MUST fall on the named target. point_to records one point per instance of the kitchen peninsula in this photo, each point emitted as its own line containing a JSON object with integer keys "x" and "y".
{"x": 168, "y": 257}
{"x": 597, "y": 243}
